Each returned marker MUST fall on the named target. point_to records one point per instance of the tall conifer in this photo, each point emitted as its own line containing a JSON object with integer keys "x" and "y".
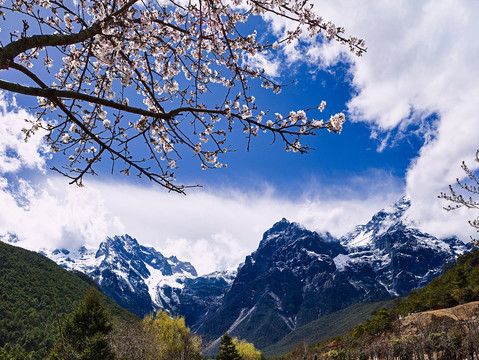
{"x": 85, "y": 332}
{"x": 227, "y": 350}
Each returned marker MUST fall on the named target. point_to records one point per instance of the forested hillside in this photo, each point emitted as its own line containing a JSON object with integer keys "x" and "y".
{"x": 458, "y": 285}
{"x": 327, "y": 326}
{"x": 33, "y": 291}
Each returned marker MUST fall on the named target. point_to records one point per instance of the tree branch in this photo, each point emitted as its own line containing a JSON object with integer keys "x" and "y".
{"x": 12, "y": 50}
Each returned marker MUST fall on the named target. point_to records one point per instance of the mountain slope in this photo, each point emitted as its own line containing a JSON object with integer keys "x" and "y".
{"x": 327, "y": 326}
{"x": 438, "y": 320}
{"x": 296, "y": 276}
{"x": 203, "y": 294}
{"x": 394, "y": 252}
{"x": 29, "y": 284}
{"x": 142, "y": 280}
{"x": 290, "y": 280}
{"x": 458, "y": 285}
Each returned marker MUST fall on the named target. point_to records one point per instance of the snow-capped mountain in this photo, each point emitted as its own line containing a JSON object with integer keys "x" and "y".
{"x": 141, "y": 279}
{"x": 393, "y": 251}
{"x": 363, "y": 236}
{"x": 290, "y": 280}
{"x": 296, "y": 275}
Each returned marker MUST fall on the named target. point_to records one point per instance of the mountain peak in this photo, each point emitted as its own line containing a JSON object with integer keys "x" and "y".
{"x": 399, "y": 206}
{"x": 126, "y": 241}
{"x": 280, "y": 230}
{"x": 284, "y": 224}
{"x": 380, "y": 223}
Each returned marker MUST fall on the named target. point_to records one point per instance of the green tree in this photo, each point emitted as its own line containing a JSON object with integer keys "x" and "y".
{"x": 227, "y": 350}
{"x": 14, "y": 352}
{"x": 84, "y": 333}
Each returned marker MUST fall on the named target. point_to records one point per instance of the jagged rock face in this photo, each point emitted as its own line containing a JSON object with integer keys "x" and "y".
{"x": 134, "y": 273}
{"x": 203, "y": 294}
{"x": 394, "y": 252}
{"x": 142, "y": 280}
{"x": 296, "y": 276}
{"x": 289, "y": 281}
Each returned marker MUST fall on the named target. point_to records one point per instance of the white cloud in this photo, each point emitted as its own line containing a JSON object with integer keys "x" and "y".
{"x": 14, "y": 152}
{"x": 264, "y": 61}
{"x": 421, "y": 60}
{"x": 211, "y": 230}
{"x": 50, "y": 216}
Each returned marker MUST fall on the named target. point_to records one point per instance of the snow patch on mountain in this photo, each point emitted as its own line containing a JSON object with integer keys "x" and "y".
{"x": 82, "y": 259}
{"x": 157, "y": 280}
{"x": 320, "y": 257}
{"x": 227, "y": 275}
{"x": 341, "y": 261}
{"x": 242, "y": 316}
{"x": 362, "y": 239}
{"x": 381, "y": 223}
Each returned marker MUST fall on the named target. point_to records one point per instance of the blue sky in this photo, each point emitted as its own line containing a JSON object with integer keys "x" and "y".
{"x": 410, "y": 104}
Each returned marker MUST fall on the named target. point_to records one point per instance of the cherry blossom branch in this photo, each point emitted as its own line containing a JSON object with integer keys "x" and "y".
{"x": 168, "y": 56}
{"x": 471, "y": 188}
{"x": 13, "y": 49}
{"x": 103, "y": 146}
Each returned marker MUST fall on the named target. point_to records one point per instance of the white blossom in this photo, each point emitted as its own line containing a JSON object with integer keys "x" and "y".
{"x": 322, "y": 105}
{"x": 337, "y": 121}
{"x": 65, "y": 138}
{"x": 182, "y": 64}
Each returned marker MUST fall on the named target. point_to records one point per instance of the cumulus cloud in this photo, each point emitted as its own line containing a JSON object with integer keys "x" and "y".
{"x": 48, "y": 216}
{"x": 266, "y": 62}
{"x": 420, "y": 70}
{"x": 14, "y": 152}
{"x": 211, "y": 230}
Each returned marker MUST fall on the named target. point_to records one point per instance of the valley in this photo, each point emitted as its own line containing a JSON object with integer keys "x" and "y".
{"x": 294, "y": 279}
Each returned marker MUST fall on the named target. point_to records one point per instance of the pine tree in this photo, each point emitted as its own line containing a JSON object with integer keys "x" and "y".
{"x": 227, "y": 350}
{"x": 85, "y": 332}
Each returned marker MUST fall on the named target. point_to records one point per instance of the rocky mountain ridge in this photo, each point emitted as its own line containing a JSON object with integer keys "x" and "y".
{"x": 295, "y": 276}
{"x": 391, "y": 249}
{"x": 142, "y": 280}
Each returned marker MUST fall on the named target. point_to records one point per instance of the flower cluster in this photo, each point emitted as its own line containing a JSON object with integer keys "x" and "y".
{"x": 139, "y": 77}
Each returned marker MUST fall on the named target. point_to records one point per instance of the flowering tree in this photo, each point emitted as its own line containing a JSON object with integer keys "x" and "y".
{"x": 132, "y": 80}
{"x": 470, "y": 199}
